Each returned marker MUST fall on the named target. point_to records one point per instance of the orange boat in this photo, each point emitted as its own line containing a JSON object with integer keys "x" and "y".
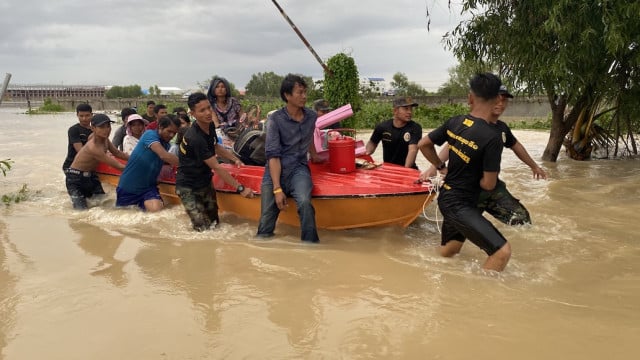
{"x": 385, "y": 195}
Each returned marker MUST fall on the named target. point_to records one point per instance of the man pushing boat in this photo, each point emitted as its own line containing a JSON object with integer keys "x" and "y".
{"x": 81, "y": 180}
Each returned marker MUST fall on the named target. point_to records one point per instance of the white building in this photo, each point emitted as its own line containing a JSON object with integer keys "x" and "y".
{"x": 375, "y": 84}
{"x": 170, "y": 90}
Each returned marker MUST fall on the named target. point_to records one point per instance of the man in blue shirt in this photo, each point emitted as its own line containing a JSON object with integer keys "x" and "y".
{"x": 138, "y": 183}
{"x": 289, "y": 139}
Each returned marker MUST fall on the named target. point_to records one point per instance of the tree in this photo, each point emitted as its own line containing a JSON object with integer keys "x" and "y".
{"x": 583, "y": 55}
{"x": 459, "y": 75}
{"x": 265, "y": 84}
{"x": 405, "y": 87}
{"x": 342, "y": 86}
{"x": 131, "y": 91}
{"x": 154, "y": 90}
{"x": 400, "y": 83}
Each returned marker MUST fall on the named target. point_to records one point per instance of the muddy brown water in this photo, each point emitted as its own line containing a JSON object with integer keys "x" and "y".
{"x": 122, "y": 284}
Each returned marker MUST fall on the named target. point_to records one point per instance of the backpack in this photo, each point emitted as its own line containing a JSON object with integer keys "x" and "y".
{"x": 249, "y": 147}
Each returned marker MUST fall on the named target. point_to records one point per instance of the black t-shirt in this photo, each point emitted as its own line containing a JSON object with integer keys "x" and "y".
{"x": 77, "y": 134}
{"x": 149, "y": 118}
{"x": 475, "y": 146}
{"x": 396, "y": 141}
{"x": 196, "y": 147}
{"x": 118, "y": 137}
{"x": 509, "y": 139}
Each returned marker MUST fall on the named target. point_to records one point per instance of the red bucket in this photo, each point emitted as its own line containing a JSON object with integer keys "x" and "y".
{"x": 342, "y": 155}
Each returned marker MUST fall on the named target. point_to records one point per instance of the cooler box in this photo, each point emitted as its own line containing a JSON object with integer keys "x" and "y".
{"x": 342, "y": 155}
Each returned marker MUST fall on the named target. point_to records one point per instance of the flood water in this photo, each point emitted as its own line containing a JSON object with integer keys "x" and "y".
{"x": 122, "y": 284}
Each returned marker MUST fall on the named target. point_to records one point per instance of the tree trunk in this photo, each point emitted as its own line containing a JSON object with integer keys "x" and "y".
{"x": 561, "y": 124}
{"x": 558, "y": 131}
{"x": 556, "y": 139}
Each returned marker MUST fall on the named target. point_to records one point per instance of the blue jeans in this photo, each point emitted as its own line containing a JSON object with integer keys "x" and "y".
{"x": 297, "y": 185}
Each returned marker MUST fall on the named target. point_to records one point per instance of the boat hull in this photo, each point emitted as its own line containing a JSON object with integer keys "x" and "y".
{"x": 385, "y": 196}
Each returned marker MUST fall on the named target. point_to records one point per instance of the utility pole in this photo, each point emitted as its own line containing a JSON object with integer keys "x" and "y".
{"x": 295, "y": 28}
{"x": 5, "y": 84}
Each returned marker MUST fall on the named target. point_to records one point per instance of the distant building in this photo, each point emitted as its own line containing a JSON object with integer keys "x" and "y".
{"x": 170, "y": 90}
{"x": 167, "y": 91}
{"x": 36, "y": 92}
{"x": 374, "y": 84}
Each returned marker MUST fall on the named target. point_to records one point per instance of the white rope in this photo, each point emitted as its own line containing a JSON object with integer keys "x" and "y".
{"x": 436, "y": 182}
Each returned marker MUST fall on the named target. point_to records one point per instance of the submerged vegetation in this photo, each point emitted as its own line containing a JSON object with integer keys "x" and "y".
{"x": 48, "y": 107}
{"x": 5, "y": 165}
{"x": 21, "y": 195}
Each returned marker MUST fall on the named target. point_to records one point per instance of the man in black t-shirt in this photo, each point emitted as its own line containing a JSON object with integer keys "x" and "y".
{"x": 499, "y": 202}
{"x": 475, "y": 153}
{"x": 78, "y": 134}
{"x": 399, "y": 135}
{"x": 150, "y": 114}
{"x": 197, "y": 157}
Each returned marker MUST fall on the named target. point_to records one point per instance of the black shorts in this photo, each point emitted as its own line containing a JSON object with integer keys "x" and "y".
{"x": 466, "y": 222}
{"x": 82, "y": 185}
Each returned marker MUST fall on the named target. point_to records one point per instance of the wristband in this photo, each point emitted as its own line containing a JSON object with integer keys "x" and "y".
{"x": 277, "y": 190}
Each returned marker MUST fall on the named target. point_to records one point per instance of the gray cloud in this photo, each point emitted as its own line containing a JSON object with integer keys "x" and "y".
{"x": 179, "y": 43}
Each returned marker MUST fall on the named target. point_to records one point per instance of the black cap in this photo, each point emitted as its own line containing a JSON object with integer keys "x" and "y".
{"x": 100, "y": 119}
{"x": 503, "y": 91}
{"x": 404, "y": 101}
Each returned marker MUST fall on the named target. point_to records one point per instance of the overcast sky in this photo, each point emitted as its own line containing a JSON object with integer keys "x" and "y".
{"x": 183, "y": 42}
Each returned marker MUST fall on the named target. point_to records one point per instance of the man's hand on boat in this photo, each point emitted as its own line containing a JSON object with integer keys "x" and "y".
{"x": 315, "y": 158}
{"x": 248, "y": 193}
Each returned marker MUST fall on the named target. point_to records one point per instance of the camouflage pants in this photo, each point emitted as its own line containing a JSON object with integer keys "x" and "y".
{"x": 503, "y": 206}
{"x": 201, "y": 206}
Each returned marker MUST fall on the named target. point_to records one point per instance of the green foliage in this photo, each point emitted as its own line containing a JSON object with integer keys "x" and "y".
{"x": 5, "y": 165}
{"x": 370, "y": 91}
{"x": 48, "y": 107}
{"x": 583, "y": 54}
{"x": 535, "y": 124}
{"x": 342, "y": 86}
{"x": 404, "y": 87}
{"x": 21, "y": 195}
{"x": 265, "y": 84}
{"x": 400, "y": 82}
{"x": 154, "y": 90}
{"x": 370, "y": 114}
{"x": 126, "y": 92}
{"x": 459, "y": 76}
{"x": 265, "y": 105}
{"x": 432, "y": 117}
{"x": 374, "y": 112}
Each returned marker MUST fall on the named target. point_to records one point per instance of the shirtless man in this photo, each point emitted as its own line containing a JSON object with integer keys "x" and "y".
{"x": 81, "y": 179}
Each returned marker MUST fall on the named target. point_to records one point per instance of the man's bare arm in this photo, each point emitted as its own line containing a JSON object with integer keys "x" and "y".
{"x": 163, "y": 154}
{"x": 117, "y": 153}
{"x": 524, "y": 156}
{"x": 411, "y": 155}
